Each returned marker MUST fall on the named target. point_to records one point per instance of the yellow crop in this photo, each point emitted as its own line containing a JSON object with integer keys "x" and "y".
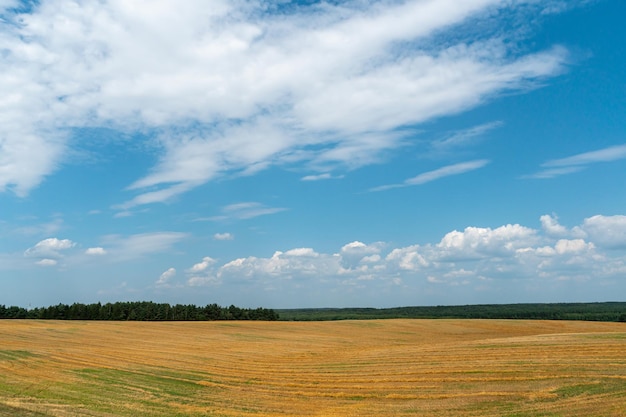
{"x": 349, "y": 368}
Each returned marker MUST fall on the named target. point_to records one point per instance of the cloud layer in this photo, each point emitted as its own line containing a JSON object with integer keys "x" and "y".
{"x": 478, "y": 258}
{"x": 232, "y": 87}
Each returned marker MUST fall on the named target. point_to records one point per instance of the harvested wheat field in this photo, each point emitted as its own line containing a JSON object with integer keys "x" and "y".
{"x": 348, "y": 368}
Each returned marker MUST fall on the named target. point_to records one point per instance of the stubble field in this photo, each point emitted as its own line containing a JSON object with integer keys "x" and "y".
{"x": 349, "y": 368}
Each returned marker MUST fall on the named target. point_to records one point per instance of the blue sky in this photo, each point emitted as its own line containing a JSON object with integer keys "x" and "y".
{"x": 284, "y": 154}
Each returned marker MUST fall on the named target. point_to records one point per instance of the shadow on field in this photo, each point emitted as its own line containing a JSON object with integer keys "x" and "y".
{"x": 8, "y": 411}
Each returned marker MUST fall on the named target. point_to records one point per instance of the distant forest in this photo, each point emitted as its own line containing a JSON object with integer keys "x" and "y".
{"x": 150, "y": 311}
{"x": 611, "y": 311}
{"x": 138, "y": 311}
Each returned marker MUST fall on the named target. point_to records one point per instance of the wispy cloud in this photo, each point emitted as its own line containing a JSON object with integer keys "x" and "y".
{"x": 48, "y": 228}
{"x": 242, "y": 211}
{"x": 612, "y": 153}
{"x": 319, "y": 177}
{"x": 122, "y": 248}
{"x": 236, "y": 87}
{"x": 576, "y": 163}
{"x": 426, "y": 177}
{"x": 463, "y": 138}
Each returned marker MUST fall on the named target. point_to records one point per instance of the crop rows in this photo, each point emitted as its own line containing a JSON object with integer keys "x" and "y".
{"x": 350, "y": 368}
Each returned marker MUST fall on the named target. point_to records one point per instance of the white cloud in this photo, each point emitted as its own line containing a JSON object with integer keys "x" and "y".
{"x": 357, "y": 246}
{"x": 553, "y": 172}
{"x": 201, "y": 266}
{"x": 95, "y": 251}
{"x": 47, "y": 228}
{"x": 236, "y": 87}
{"x": 223, "y": 236}
{"x": 203, "y": 281}
{"x": 166, "y": 277}
{"x": 408, "y": 258}
{"x": 250, "y": 210}
{"x": 49, "y": 248}
{"x": 576, "y": 163}
{"x": 244, "y": 211}
{"x": 122, "y": 248}
{"x": 6, "y": 4}
{"x": 325, "y": 176}
{"x": 551, "y": 226}
{"x": 426, "y": 177}
{"x": 606, "y": 231}
{"x": 305, "y": 252}
{"x": 572, "y": 246}
{"x": 203, "y": 273}
{"x": 476, "y": 259}
{"x": 319, "y": 177}
{"x": 303, "y": 263}
{"x": 353, "y": 254}
{"x": 478, "y": 242}
{"x": 447, "y": 171}
{"x": 609, "y": 154}
{"x": 371, "y": 259}
{"x": 464, "y": 137}
{"x": 46, "y": 262}
{"x": 555, "y": 7}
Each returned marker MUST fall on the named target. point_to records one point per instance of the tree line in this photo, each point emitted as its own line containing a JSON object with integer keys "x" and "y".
{"x": 608, "y": 311}
{"x": 138, "y": 311}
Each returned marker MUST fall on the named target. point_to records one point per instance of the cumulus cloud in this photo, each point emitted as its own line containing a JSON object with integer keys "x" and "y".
{"x": 201, "y": 266}
{"x": 305, "y": 252}
{"x": 408, "y": 258}
{"x": 356, "y": 254}
{"x": 49, "y": 248}
{"x": 203, "y": 273}
{"x": 552, "y": 227}
{"x": 166, "y": 277}
{"x": 223, "y": 236}
{"x": 229, "y": 87}
{"x": 95, "y": 251}
{"x": 564, "y": 246}
{"x": 607, "y": 231}
{"x": 479, "y": 242}
{"x": 295, "y": 264}
{"x": 604, "y": 231}
{"x": 477, "y": 256}
{"x": 47, "y": 262}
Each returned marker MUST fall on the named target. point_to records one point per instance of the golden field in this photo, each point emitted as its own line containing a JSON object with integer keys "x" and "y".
{"x": 347, "y": 368}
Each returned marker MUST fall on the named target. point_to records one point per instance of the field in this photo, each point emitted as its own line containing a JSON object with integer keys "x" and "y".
{"x": 348, "y": 368}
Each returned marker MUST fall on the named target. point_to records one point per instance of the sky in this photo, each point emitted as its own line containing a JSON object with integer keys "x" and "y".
{"x": 287, "y": 154}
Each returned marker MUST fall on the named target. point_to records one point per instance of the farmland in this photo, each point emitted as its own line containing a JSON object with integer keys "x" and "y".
{"x": 345, "y": 368}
